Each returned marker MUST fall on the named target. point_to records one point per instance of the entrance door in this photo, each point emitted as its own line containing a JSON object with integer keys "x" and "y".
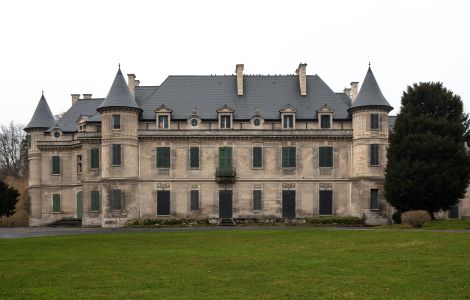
{"x": 326, "y": 202}
{"x": 225, "y": 204}
{"x": 225, "y": 157}
{"x": 454, "y": 212}
{"x": 163, "y": 203}
{"x": 79, "y": 205}
{"x": 288, "y": 204}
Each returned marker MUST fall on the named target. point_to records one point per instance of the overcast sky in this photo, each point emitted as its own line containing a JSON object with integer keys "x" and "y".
{"x": 65, "y": 47}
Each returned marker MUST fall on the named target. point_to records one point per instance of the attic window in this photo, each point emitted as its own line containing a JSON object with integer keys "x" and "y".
{"x": 163, "y": 122}
{"x": 57, "y": 134}
{"x": 194, "y": 122}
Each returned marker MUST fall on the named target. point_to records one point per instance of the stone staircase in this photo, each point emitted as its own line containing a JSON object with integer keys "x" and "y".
{"x": 227, "y": 222}
{"x": 66, "y": 222}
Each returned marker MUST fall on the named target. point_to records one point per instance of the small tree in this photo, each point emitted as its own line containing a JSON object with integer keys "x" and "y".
{"x": 428, "y": 162}
{"x": 8, "y": 199}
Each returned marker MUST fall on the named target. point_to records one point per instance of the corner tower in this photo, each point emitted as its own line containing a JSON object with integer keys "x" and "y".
{"x": 369, "y": 111}
{"x": 119, "y": 151}
{"x": 41, "y": 121}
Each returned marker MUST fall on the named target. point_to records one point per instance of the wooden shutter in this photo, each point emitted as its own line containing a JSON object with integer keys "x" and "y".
{"x": 163, "y": 157}
{"x": 257, "y": 157}
{"x": 326, "y": 157}
{"x": 95, "y": 158}
{"x": 56, "y": 203}
{"x": 225, "y": 157}
{"x": 195, "y": 200}
{"x": 116, "y": 200}
{"x": 95, "y": 201}
{"x": 326, "y": 202}
{"x": 116, "y": 154}
{"x": 55, "y": 165}
{"x": 194, "y": 157}
{"x": 374, "y": 199}
{"x": 257, "y": 200}
{"x": 288, "y": 157}
{"x": 374, "y": 155}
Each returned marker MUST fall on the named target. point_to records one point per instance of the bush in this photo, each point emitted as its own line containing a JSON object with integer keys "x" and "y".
{"x": 396, "y": 217}
{"x": 415, "y": 218}
{"x": 336, "y": 220}
{"x": 149, "y": 222}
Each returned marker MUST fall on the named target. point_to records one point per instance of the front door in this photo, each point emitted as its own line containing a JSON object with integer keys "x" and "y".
{"x": 326, "y": 202}
{"x": 79, "y": 205}
{"x": 288, "y": 204}
{"x": 225, "y": 204}
{"x": 225, "y": 157}
{"x": 163, "y": 203}
{"x": 454, "y": 212}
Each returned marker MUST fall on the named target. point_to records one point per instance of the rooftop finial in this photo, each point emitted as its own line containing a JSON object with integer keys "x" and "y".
{"x": 119, "y": 64}
{"x": 369, "y": 63}
{"x": 43, "y": 92}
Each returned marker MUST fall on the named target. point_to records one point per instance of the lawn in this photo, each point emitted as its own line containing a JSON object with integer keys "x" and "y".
{"x": 450, "y": 224}
{"x": 263, "y": 263}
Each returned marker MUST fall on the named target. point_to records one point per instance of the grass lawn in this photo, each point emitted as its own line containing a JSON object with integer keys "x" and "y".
{"x": 269, "y": 263}
{"x": 450, "y": 224}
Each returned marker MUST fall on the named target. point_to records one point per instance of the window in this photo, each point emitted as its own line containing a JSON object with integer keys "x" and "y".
{"x": 288, "y": 122}
{"x": 194, "y": 157}
{"x": 326, "y": 203}
{"x": 325, "y": 121}
{"x": 79, "y": 164}
{"x": 257, "y": 122}
{"x": 194, "y": 122}
{"x": 374, "y": 199}
{"x": 257, "y": 204}
{"x": 195, "y": 200}
{"x": 225, "y": 122}
{"x": 55, "y": 165}
{"x": 163, "y": 122}
{"x": 374, "y": 155}
{"x": 28, "y": 141}
{"x": 116, "y": 200}
{"x": 326, "y": 157}
{"x": 95, "y": 201}
{"x": 374, "y": 121}
{"x": 116, "y": 155}
{"x": 288, "y": 157}
{"x": 56, "y": 135}
{"x": 257, "y": 157}
{"x": 116, "y": 121}
{"x": 56, "y": 203}
{"x": 163, "y": 157}
{"x": 98, "y": 128}
{"x": 95, "y": 158}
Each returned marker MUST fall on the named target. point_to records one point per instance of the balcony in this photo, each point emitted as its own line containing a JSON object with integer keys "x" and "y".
{"x": 225, "y": 175}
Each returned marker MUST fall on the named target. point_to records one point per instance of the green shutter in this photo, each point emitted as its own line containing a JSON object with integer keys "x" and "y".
{"x": 116, "y": 199}
{"x": 225, "y": 157}
{"x": 288, "y": 157}
{"x": 163, "y": 157}
{"x": 194, "y": 157}
{"x": 95, "y": 158}
{"x": 326, "y": 157}
{"x": 116, "y": 154}
{"x": 374, "y": 199}
{"x": 257, "y": 157}
{"x": 374, "y": 155}
{"x": 95, "y": 201}
{"x": 257, "y": 200}
{"x": 55, "y": 165}
{"x": 194, "y": 199}
{"x": 56, "y": 203}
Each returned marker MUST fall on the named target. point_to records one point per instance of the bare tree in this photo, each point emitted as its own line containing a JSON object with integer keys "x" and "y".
{"x": 13, "y": 150}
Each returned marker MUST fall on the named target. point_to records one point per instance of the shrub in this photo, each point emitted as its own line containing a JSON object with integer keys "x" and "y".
{"x": 396, "y": 217}
{"x": 415, "y": 218}
{"x": 157, "y": 222}
{"x": 334, "y": 220}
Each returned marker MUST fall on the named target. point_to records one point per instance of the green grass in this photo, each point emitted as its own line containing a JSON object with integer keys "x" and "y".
{"x": 455, "y": 224}
{"x": 270, "y": 263}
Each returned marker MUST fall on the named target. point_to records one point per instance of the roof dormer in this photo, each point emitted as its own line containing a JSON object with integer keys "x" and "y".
{"x": 163, "y": 117}
{"x": 288, "y": 117}
{"x": 325, "y": 117}
{"x": 225, "y": 117}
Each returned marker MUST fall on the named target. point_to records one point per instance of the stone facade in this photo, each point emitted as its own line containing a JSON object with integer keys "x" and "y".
{"x": 337, "y": 169}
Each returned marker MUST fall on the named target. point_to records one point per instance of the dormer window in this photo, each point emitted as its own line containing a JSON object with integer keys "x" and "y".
{"x": 288, "y": 117}
{"x": 116, "y": 121}
{"x": 57, "y": 134}
{"x": 194, "y": 122}
{"x": 162, "y": 115}
{"x": 325, "y": 117}
{"x": 225, "y": 114}
{"x": 257, "y": 120}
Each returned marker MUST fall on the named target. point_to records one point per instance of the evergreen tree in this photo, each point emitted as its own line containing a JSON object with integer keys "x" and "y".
{"x": 8, "y": 199}
{"x": 428, "y": 161}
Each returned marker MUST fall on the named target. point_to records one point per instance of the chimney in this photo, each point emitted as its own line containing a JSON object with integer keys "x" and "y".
{"x": 239, "y": 72}
{"x": 347, "y": 91}
{"x": 75, "y": 98}
{"x": 137, "y": 83}
{"x": 302, "y": 72}
{"x": 87, "y": 96}
{"x": 354, "y": 90}
{"x": 131, "y": 82}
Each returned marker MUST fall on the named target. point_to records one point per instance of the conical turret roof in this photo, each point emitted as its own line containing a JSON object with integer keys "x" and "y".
{"x": 119, "y": 95}
{"x": 370, "y": 93}
{"x": 42, "y": 117}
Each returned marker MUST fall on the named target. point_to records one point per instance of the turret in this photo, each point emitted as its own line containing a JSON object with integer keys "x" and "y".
{"x": 41, "y": 121}
{"x": 120, "y": 150}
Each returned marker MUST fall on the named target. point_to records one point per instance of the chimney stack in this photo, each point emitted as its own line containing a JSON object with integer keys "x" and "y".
{"x": 75, "y": 98}
{"x": 131, "y": 82}
{"x": 87, "y": 96}
{"x": 354, "y": 90}
{"x": 302, "y": 72}
{"x": 239, "y": 72}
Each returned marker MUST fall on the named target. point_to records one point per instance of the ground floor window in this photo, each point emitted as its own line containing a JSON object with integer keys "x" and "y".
{"x": 56, "y": 203}
{"x": 374, "y": 199}
{"x": 454, "y": 212}
{"x": 326, "y": 203}
{"x": 95, "y": 201}
{"x": 257, "y": 205}
{"x": 195, "y": 200}
{"x": 117, "y": 199}
{"x": 163, "y": 203}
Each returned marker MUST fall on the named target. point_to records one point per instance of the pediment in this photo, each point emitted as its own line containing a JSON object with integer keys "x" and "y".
{"x": 288, "y": 109}
{"x": 225, "y": 109}
{"x": 163, "y": 109}
{"x": 326, "y": 109}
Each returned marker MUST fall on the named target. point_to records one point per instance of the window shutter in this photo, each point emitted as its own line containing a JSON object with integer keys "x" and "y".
{"x": 257, "y": 205}
{"x": 194, "y": 199}
{"x": 194, "y": 157}
{"x": 285, "y": 158}
{"x": 95, "y": 201}
{"x": 55, "y": 165}
{"x": 163, "y": 157}
{"x": 374, "y": 155}
{"x": 95, "y": 158}
{"x": 374, "y": 199}
{"x": 257, "y": 157}
{"x": 56, "y": 203}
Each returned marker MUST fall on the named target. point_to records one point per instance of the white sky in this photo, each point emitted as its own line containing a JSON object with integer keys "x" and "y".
{"x": 69, "y": 47}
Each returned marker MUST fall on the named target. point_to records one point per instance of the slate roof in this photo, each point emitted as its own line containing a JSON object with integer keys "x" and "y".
{"x": 370, "y": 93}
{"x": 143, "y": 93}
{"x": 119, "y": 94}
{"x": 42, "y": 117}
{"x": 268, "y": 94}
{"x": 83, "y": 107}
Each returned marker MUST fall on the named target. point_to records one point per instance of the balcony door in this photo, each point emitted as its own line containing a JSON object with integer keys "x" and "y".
{"x": 225, "y": 157}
